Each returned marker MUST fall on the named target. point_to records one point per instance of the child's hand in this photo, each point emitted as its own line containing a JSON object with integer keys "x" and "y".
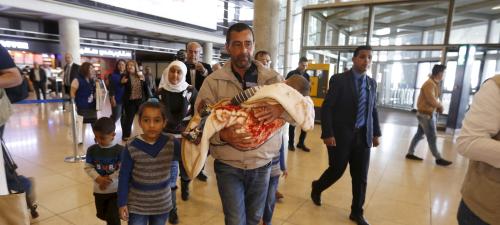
{"x": 285, "y": 174}
{"x": 103, "y": 181}
{"x": 123, "y": 213}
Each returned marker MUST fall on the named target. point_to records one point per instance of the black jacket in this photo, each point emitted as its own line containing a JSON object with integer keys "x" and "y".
{"x": 74, "y": 72}
{"x": 179, "y": 107}
{"x": 199, "y": 76}
{"x": 43, "y": 76}
{"x": 340, "y": 107}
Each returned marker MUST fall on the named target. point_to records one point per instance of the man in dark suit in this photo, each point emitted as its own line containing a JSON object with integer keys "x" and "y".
{"x": 71, "y": 71}
{"x": 350, "y": 125}
{"x": 197, "y": 71}
{"x": 39, "y": 79}
{"x": 301, "y": 70}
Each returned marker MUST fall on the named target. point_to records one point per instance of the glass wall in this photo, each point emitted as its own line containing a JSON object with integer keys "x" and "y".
{"x": 408, "y": 38}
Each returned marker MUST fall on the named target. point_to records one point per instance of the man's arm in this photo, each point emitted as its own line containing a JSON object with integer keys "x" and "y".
{"x": 481, "y": 124}
{"x": 10, "y": 77}
{"x": 327, "y": 109}
{"x": 429, "y": 95}
{"x": 376, "y": 125}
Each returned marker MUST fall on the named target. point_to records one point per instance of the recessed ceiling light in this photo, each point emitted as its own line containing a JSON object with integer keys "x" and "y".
{"x": 496, "y": 7}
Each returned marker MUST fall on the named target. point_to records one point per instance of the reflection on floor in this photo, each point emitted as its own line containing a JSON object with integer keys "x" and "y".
{"x": 399, "y": 191}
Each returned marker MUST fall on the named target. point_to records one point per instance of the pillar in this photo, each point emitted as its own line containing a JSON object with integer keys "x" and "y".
{"x": 208, "y": 52}
{"x": 69, "y": 38}
{"x": 266, "y": 27}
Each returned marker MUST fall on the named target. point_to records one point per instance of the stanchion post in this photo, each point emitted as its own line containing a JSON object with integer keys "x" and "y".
{"x": 75, "y": 158}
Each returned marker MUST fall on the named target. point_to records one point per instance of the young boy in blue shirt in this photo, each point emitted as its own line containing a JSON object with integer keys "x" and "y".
{"x": 102, "y": 165}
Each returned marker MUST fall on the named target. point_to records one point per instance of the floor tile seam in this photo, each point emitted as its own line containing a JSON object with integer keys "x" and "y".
{"x": 59, "y": 188}
{"x": 71, "y": 209}
{"x": 295, "y": 211}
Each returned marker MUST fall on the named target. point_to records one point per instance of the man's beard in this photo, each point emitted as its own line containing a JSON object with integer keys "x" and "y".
{"x": 239, "y": 63}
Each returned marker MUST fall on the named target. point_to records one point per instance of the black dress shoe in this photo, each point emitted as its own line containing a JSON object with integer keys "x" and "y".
{"x": 304, "y": 148}
{"x": 291, "y": 147}
{"x": 443, "y": 162}
{"x": 359, "y": 219}
{"x": 202, "y": 177}
{"x": 315, "y": 195}
{"x": 413, "y": 157}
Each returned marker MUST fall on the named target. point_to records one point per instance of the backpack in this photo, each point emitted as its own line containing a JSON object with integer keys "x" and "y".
{"x": 19, "y": 92}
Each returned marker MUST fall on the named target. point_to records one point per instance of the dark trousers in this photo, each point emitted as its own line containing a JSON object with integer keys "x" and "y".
{"x": 351, "y": 149}
{"x": 130, "y": 108}
{"x": 107, "y": 208}
{"x": 40, "y": 87}
{"x": 465, "y": 216}
{"x": 291, "y": 136}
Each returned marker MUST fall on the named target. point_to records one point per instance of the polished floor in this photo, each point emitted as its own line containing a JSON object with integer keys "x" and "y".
{"x": 399, "y": 191}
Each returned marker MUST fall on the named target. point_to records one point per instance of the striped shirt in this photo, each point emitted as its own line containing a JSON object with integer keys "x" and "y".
{"x": 244, "y": 95}
{"x": 144, "y": 176}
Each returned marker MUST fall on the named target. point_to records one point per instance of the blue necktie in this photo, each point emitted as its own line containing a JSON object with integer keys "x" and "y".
{"x": 360, "y": 116}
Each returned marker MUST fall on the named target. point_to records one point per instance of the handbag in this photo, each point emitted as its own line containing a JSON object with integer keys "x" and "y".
{"x": 13, "y": 207}
{"x": 5, "y": 107}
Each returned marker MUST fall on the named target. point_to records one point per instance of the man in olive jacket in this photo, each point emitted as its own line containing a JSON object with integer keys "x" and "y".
{"x": 242, "y": 174}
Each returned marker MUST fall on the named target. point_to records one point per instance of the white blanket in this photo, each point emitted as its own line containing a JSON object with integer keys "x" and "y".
{"x": 300, "y": 110}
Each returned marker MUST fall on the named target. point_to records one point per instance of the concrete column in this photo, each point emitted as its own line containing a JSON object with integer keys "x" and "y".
{"x": 288, "y": 37}
{"x": 208, "y": 52}
{"x": 69, "y": 38}
{"x": 266, "y": 27}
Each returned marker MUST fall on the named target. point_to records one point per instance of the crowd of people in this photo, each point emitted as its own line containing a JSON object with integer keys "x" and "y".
{"x": 136, "y": 181}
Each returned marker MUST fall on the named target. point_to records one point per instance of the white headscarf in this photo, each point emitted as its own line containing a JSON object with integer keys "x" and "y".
{"x": 181, "y": 86}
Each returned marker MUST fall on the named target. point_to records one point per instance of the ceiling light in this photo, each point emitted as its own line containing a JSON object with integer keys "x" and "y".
{"x": 496, "y": 7}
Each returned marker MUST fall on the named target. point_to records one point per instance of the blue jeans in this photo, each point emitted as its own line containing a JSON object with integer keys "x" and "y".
{"x": 271, "y": 200}
{"x": 243, "y": 192}
{"x": 136, "y": 219}
{"x": 174, "y": 172}
{"x": 427, "y": 126}
{"x": 465, "y": 216}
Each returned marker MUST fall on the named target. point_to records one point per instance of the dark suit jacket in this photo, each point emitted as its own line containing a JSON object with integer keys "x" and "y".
{"x": 199, "y": 76}
{"x": 339, "y": 109}
{"x": 43, "y": 76}
{"x": 75, "y": 71}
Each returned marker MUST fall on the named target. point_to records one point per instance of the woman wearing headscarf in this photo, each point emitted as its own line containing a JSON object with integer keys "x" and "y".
{"x": 178, "y": 97}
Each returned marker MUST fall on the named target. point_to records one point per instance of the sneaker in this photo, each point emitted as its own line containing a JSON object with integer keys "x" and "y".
{"x": 279, "y": 196}
{"x": 173, "y": 218}
{"x": 413, "y": 157}
{"x": 291, "y": 147}
{"x": 443, "y": 162}
{"x": 304, "y": 148}
{"x": 34, "y": 213}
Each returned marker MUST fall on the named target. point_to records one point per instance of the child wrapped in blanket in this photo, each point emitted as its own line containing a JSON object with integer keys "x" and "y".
{"x": 297, "y": 82}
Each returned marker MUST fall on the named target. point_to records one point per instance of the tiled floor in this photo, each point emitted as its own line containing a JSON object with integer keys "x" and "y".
{"x": 399, "y": 191}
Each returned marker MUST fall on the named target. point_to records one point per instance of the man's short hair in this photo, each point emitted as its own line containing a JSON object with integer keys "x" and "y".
{"x": 237, "y": 27}
{"x": 299, "y": 83}
{"x": 262, "y": 52}
{"x": 438, "y": 68}
{"x": 104, "y": 125}
{"x": 303, "y": 59}
{"x": 361, "y": 48}
{"x": 198, "y": 45}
